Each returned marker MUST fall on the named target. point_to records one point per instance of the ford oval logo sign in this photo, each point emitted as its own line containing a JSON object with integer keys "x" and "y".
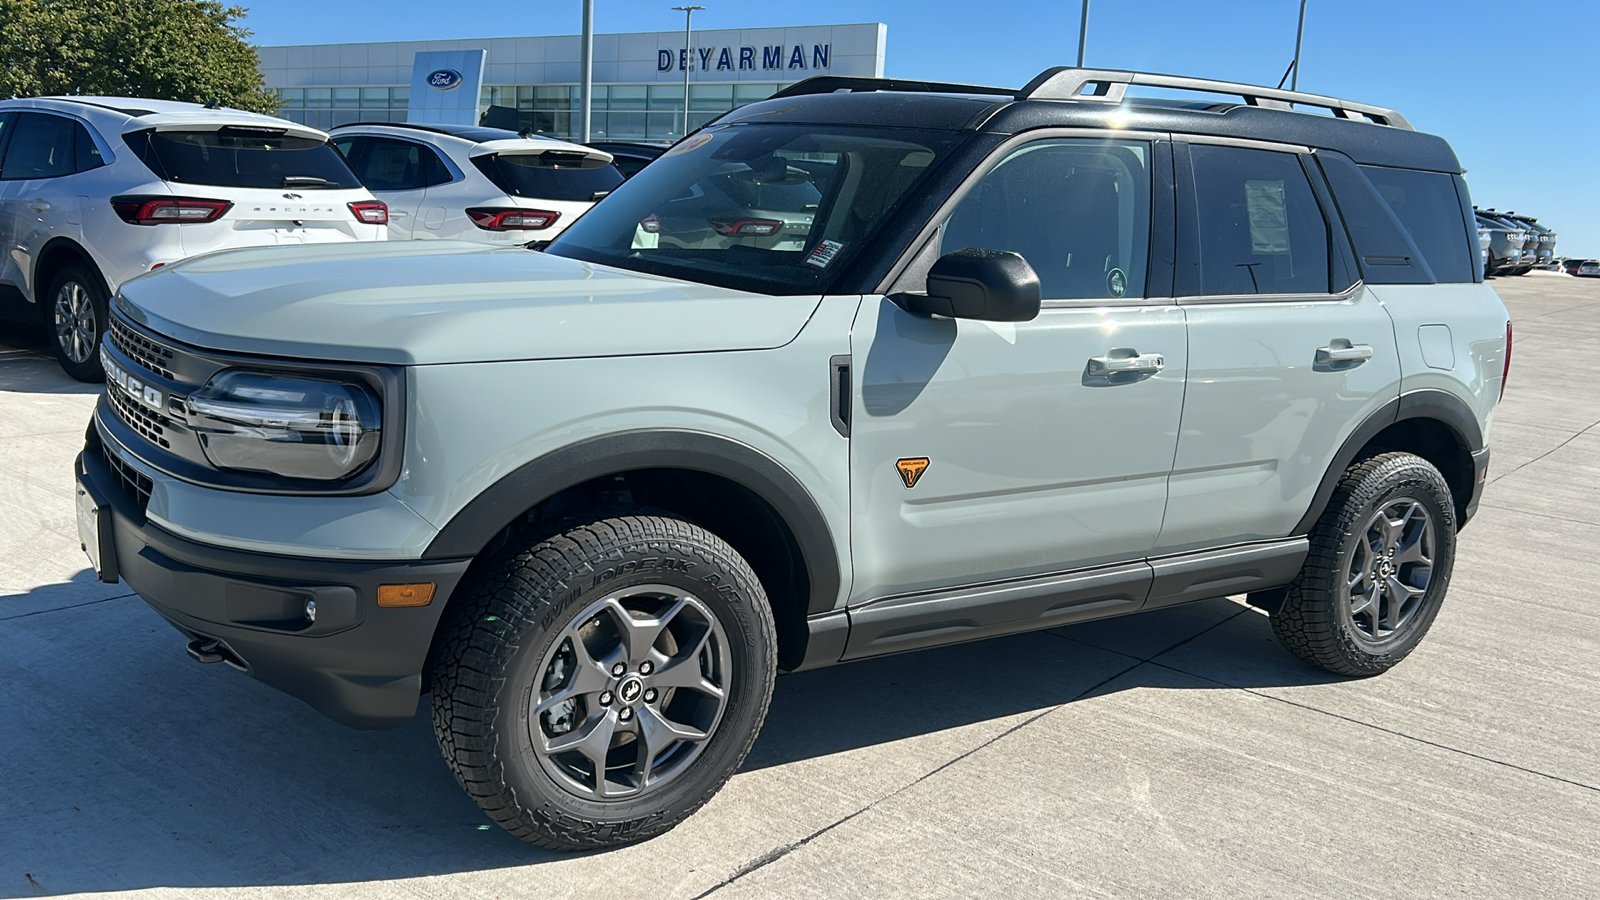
{"x": 444, "y": 79}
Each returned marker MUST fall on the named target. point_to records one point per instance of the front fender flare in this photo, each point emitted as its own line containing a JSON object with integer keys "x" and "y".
{"x": 477, "y": 523}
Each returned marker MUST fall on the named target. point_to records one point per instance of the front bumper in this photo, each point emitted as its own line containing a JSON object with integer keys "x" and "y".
{"x": 357, "y": 663}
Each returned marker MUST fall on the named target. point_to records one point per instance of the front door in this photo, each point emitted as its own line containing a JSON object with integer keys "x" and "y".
{"x": 1047, "y": 444}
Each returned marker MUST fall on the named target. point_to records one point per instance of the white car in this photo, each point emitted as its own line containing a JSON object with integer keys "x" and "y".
{"x": 96, "y": 190}
{"x": 464, "y": 182}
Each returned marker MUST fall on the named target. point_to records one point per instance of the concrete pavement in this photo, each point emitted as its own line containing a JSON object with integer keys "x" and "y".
{"x": 1180, "y": 753}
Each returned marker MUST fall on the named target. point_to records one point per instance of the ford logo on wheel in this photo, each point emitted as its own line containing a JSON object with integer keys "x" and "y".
{"x": 444, "y": 79}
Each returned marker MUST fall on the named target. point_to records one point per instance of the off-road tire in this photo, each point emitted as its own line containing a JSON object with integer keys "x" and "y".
{"x": 511, "y": 611}
{"x": 93, "y": 289}
{"x": 1314, "y": 621}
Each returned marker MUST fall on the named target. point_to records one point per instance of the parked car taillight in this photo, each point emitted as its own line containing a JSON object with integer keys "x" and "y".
{"x": 746, "y": 227}
{"x": 650, "y": 224}
{"x": 490, "y": 219}
{"x": 372, "y": 212}
{"x": 141, "y": 210}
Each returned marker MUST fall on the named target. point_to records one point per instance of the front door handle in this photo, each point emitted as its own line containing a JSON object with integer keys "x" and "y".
{"x": 38, "y": 205}
{"x": 1340, "y": 350}
{"x": 1126, "y": 362}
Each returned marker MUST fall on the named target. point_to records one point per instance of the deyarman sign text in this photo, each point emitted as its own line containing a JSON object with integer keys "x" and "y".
{"x": 743, "y": 59}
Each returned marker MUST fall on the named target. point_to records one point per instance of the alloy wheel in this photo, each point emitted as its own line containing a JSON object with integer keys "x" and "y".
{"x": 75, "y": 322}
{"x": 630, "y": 693}
{"x": 1388, "y": 570}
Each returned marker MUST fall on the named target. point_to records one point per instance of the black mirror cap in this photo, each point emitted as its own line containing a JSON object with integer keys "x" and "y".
{"x": 992, "y": 285}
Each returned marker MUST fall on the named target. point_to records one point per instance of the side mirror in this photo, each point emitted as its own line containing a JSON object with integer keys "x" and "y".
{"x": 993, "y": 285}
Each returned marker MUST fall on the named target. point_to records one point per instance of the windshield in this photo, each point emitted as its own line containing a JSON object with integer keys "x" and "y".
{"x": 244, "y": 157}
{"x": 777, "y": 209}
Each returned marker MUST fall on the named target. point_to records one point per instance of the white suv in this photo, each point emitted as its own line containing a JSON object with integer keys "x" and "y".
{"x": 464, "y": 182}
{"x": 96, "y": 190}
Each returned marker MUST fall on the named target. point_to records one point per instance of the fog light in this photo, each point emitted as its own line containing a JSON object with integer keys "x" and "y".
{"x": 405, "y": 594}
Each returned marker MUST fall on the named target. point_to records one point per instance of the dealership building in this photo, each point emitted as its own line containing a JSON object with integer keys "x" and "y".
{"x": 531, "y": 83}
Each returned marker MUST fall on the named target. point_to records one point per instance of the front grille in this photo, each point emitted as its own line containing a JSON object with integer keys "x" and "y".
{"x": 140, "y": 349}
{"x": 134, "y": 484}
{"x": 147, "y": 423}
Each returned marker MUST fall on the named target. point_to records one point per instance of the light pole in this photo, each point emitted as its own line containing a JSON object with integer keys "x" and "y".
{"x": 1294, "y": 79}
{"x": 586, "y": 89}
{"x": 1083, "y": 32}
{"x": 688, "y": 61}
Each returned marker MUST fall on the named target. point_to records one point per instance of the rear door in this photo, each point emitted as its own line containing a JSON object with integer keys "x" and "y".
{"x": 398, "y": 172}
{"x": 42, "y": 198}
{"x": 1288, "y": 352}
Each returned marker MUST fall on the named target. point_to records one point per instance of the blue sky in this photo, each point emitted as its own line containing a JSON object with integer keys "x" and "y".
{"x": 1517, "y": 99}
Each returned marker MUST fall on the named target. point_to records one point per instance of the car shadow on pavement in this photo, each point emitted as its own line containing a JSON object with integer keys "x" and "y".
{"x": 125, "y": 765}
{"x": 27, "y": 366}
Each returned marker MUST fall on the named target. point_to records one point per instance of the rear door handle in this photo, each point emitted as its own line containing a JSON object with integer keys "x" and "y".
{"x": 1340, "y": 350}
{"x": 398, "y": 214}
{"x": 38, "y": 205}
{"x": 1126, "y": 362}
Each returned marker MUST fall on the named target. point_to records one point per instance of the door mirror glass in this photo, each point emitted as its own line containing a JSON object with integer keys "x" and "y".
{"x": 992, "y": 285}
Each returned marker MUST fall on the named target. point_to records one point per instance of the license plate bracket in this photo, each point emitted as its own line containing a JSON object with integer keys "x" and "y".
{"x": 94, "y": 535}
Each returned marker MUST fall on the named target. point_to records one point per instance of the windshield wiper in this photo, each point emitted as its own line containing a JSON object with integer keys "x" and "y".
{"x": 306, "y": 181}
{"x": 598, "y": 196}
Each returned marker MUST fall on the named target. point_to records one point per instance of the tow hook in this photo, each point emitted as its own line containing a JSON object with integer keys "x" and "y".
{"x": 211, "y": 650}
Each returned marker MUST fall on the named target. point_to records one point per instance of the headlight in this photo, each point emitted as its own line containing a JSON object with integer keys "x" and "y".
{"x": 286, "y": 425}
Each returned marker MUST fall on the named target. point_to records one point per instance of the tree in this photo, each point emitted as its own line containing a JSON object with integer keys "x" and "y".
{"x": 190, "y": 50}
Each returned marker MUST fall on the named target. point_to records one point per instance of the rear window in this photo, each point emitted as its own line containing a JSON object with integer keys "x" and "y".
{"x": 1427, "y": 205}
{"x": 548, "y": 176}
{"x": 244, "y": 158}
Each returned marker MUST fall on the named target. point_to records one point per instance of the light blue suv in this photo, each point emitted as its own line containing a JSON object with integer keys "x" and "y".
{"x": 1028, "y": 358}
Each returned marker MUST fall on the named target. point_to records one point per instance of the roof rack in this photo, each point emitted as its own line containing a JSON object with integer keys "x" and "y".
{"x": 830, "y": 84}
{"x": 1110, "y": 85}
{"x": 1106, "y": 86}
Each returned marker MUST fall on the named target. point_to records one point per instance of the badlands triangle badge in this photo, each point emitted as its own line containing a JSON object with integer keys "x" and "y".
{"x": 911, "y": 470}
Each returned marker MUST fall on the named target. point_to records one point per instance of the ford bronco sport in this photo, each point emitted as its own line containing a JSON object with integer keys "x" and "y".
{"x": 868, "y": 367}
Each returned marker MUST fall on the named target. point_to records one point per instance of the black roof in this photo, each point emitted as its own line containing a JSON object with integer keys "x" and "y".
{"x": 995, "y": 111}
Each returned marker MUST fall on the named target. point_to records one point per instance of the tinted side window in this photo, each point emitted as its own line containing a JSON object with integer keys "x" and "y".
{"x": 40, "y": 148}
{"x": 384, "y": 164}
{"x": 434, "y": 171}
{"x": 1383, "y": 246}
{"x": 1077, "y": 210}
{"x": 1426, "y": 203}
{"x": 86, "y": 155}
{"x": 1261, "y": 230}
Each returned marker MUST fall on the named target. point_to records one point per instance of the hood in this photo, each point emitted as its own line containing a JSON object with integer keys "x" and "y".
{"x": 428, "y": 302}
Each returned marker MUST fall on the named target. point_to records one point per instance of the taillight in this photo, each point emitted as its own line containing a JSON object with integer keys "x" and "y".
{"x": 512, "y": 219}
{"x": 746, "y": 227}
{"x": 1506, "y": 372}
{"x": 650, "y": 224}
{"x": 372, "y": 212}
{"x": 169, "y": 210}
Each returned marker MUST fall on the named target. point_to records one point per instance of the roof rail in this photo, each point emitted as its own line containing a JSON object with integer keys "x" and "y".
{"x": 830, "y": 84}
{"x": 1109, "y": 86}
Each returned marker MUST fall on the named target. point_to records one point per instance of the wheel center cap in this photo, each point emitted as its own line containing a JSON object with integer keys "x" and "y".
{"x": 631, "y": 689}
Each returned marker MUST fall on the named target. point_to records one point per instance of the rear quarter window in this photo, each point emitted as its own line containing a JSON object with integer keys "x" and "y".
{"x": 243, "y": 157}
{"x": 1427, "y": 205}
